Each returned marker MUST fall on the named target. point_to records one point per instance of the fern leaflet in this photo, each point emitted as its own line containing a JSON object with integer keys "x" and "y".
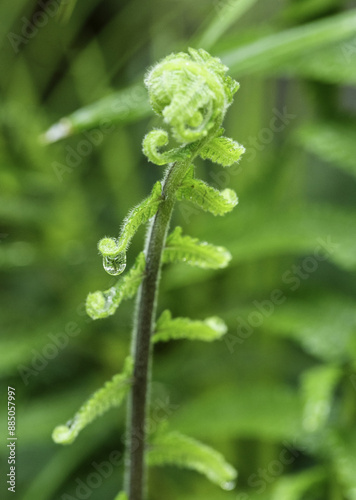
{"x": 194, "y": 252}
{"x": 205, "y": 196}
{"x": 109, "y": 396}
{"x": 222, "y": 150}
{"x": 184, "y": 328}
{"x": 156, "y": 139}
{"x": 177, "y": 449}
{"x": 113, "y": 250}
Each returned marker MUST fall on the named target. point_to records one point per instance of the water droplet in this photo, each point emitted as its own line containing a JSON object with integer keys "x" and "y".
{"x": 229, "y": 485}
{"x": 115, "y": 265}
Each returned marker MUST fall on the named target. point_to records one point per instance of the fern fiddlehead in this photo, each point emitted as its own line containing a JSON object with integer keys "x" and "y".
{"x": 191, "y": 92}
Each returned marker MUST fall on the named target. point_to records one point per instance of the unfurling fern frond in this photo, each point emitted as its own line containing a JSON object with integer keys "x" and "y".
{"x": 184, "y": 328}
{"x": 191, "y": 92}
{"x": 102, "y": 304}
{"x": 174, "y": 448}
{"x": 206, "y": 197}
{"x": 194, "y": 252}
{"x": 222, "y": 150}
{"x": 113, "y": 250}
{"x": 156, "y": 139}
{"x": 109, "y": 396}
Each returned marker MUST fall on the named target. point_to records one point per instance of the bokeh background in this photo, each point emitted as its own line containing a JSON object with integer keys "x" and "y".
{"x": 277, "y": 396}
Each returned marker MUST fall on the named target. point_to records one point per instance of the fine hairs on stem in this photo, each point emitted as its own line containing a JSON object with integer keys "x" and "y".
{"x": 191, "y": 93}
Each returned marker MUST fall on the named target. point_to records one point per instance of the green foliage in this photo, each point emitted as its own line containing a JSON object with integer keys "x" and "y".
{"x": 295, "y": 487}
{"x": 222, "y": 150}
{"x": 340, "y": 449}
{"x": 121, "y": 496}
{"x": 114, "y": 251}
{"x": 318, "y": 386}
{"x": 242, "y": 416}
{"x": 229, "y": 12}
{"x": 271, "y": 52}
{"x": 120, "y": 107}
{"x": 183, "y": 328}
{"x": 311, "y": 322}
{"x": 156, "y": 139}
{"x": 332, "y": 142}
{"x": 173, "y": 448}
{"x": 258, "y": 386}
{"x": 104, "y": 304}
{"x": 331, "y": 64}
{"x": 109, "y": 396}
{"x": 206, "y": 197}
{"x": 194, "y": 252}
{"x": 299, "y": 229}
{"x": 191, "y": 93}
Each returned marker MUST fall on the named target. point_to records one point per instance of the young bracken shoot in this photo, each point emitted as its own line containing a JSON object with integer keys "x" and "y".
{"x": 192, "y": 93}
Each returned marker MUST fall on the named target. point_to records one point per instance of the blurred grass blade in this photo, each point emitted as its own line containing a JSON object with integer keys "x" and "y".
{"x": 264, "y": 55}
{"x": 333, "y": 64}
{"x": 318, "y": 384}
{"x": 341, "y": 448}
{"x": 242, "y": 415}
{"x": 124, "y": 106}
{"x": 313, "y": 321}
{"x": 332, "y": 142}
{"x": 294, "y": 487}
{"x": 57, "y": 469}
{"x": 304, "y": 9}
{"x": 296, "y": 230}
{"x": 121, "y": 496}
{"x": 269, "y": 52}
{"x": 65, "y": 10}
{"x": 222, "y": 18}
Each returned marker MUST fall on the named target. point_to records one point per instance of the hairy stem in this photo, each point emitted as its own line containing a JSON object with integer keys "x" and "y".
{"x": 146, "y": 309}
{"x": 145, "y": 319}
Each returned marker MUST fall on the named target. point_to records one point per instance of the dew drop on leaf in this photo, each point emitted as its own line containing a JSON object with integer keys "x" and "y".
{"x": 115, "y": 265}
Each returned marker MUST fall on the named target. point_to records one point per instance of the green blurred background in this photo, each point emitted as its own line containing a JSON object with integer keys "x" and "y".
{"x": 277, "y": 396}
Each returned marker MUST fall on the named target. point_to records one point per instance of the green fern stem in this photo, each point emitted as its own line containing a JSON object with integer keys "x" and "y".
{"x": 191, "y": 92}
{"x": 145, "y": 320}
